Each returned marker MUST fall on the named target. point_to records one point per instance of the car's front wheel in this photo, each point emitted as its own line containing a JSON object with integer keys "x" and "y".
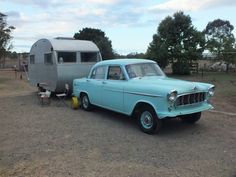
{"x": 191, "y": 118}
{"x": 85, "y": 103}
{"x": 148, "y": 120}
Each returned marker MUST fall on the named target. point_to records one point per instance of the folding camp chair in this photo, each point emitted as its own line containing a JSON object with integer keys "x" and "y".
{"x": 62, "y": 96}
{"x": 45, "y": 97}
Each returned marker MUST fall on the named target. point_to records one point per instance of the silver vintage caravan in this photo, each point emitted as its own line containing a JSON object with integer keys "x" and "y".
{"x": 55, "y": 62}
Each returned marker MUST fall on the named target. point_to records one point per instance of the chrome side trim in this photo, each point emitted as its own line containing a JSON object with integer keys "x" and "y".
{"x": 113, "y": 90}
{"x": 143, "y": 94}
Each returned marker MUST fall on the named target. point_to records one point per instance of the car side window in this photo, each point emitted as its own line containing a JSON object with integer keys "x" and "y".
{"x": 98, "y": 73}
{"x": 115, "y": 73}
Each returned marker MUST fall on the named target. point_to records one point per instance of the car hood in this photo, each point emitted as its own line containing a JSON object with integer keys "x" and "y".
{"x": 166, "y": 84}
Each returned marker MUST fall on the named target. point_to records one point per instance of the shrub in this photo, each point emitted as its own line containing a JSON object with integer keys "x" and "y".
{"x": 181, "y": 68}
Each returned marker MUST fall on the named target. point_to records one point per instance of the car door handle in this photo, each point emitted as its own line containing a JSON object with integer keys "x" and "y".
{"x": 88, "y": 80}
{"x": 104, "y": 82}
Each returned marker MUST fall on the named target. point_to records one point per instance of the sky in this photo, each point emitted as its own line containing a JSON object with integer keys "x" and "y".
{"x": 129, "y": 24}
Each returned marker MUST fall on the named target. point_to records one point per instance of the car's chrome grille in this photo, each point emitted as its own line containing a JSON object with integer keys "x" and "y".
{"x": 190, "y": 99}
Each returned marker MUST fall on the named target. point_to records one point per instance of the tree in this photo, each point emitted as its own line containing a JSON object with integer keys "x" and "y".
{"x": 99, "y": 38}
{"x": 5, "y": 37}
{"x": 135, "y": 55}
{"x": 220, "y": 40}
{"x": 158, "y": 51}
{"x": 176, "y": 42}
{"x": 130, "y": 55}
{"x": 13, "y": 55}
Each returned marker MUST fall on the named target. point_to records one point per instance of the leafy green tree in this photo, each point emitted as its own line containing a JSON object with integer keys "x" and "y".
{"x": 177, "y": 42}
{"x": 99, "y": 38}
{"x": 158, "y": 51}
{"x": 220, "y": 40}
{"x": 11, "y": 55}
{"x": 14, "y": 55}
{"x": 5, "y": 37}
{"x": 135, "y": 55}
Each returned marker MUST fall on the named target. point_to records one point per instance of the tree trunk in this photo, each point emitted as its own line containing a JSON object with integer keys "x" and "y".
{"x": 4, "y": 61}
{"x": 0, "y": 62}
{"x": 227, "y": 67}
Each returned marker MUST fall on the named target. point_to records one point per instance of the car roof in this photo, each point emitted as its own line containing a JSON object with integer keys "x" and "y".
{"x": 123, "y": 61}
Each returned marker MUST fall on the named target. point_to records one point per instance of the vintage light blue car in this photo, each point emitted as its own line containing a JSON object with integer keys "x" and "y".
{"x": 138, "y": 87}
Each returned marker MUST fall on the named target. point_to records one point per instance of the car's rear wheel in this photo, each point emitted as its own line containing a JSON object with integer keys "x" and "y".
{"x": 148, "y": 120}
{"x": 85, "y": 103}
{"x": 191, "y": 118}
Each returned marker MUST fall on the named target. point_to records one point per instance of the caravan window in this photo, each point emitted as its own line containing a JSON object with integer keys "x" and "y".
{"x": 66, "y": 57}
{"x": 32, "y": 60}
{"x": 48, "y": 58}
{"x": 89, "y": 57}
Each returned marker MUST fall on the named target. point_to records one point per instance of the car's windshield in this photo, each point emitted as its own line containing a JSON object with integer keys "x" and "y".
{"x": 143, "y": 69}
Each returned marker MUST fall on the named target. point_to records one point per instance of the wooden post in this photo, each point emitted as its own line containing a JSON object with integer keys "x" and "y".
{"x": 15, "y": 70}
{"x": 19, "y": 61}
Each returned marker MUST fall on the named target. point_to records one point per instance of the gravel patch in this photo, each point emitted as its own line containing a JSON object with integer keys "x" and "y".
{"x": 57, "y": 141}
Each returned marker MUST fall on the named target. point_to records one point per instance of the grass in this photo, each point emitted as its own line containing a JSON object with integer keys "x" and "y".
{"x": 3, "y": 80}
{"x": 10, "y": 84}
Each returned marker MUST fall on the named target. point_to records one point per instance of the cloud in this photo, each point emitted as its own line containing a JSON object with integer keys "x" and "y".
{"x": 60, "y": 3}
{"x": 95, "y": 1}
{"x": 12, "y": 14}
{"x": 92, "y": 13}
{"x": 42, "y": 3}
{"x": 185, "y": 5}
{"x": 47, "y": 19}
{"x": 190, "y": 5}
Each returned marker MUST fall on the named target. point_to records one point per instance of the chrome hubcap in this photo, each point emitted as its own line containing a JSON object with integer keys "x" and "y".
{"x": 85, "y": 102}
{"x": 146, "y": 120}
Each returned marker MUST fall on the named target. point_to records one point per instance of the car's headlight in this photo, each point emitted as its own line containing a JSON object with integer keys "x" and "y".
{"x": 211, "y": 91}
{"x": 172, "y": 96}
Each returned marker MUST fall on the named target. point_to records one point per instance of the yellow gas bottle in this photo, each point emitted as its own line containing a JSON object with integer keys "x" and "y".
{"x": 74, "y": 102}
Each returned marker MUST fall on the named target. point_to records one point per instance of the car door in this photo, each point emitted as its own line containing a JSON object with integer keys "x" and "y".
{"x": 113, "y": 89}
{"x": 95, "y": 84}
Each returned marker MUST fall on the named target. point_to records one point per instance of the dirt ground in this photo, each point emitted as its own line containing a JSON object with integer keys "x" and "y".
{"x": 57, "y": 141}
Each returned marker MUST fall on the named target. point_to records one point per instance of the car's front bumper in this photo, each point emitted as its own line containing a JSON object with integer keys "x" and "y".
{"x": 183, "y": 110}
